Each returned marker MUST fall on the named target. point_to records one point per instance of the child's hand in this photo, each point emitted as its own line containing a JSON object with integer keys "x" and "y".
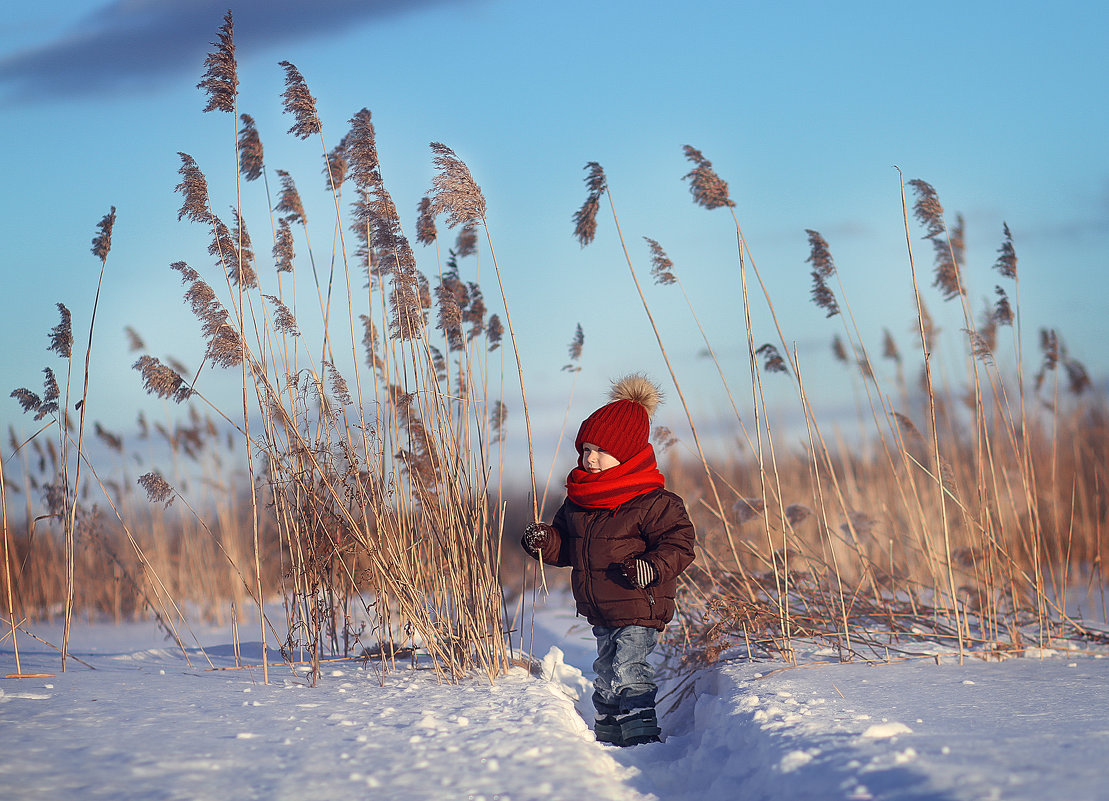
{"x": 536, "y": 536}
{"x": 639, "y": 572}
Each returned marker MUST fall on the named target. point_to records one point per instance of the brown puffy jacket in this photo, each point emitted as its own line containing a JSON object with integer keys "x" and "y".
{"x": 594, "y": 542}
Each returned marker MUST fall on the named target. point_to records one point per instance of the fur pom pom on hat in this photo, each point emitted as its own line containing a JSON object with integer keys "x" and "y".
{"x": 623, "y": 427}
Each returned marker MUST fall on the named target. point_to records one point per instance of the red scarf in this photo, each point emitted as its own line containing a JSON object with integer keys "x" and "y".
{"x": 617, "y": 485}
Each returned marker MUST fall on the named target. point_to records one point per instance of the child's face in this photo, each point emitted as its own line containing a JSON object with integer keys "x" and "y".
{"x": 595, "y": 460}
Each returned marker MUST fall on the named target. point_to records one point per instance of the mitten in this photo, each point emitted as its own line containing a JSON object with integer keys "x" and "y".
{"x": 536, "y": 536}
{"x": 639, "y": 572}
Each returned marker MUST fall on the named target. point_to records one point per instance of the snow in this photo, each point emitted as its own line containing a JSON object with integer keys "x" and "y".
{"x": 146, "y": 724}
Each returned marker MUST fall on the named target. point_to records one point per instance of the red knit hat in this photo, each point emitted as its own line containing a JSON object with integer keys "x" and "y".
{"x": 622, "y": 427}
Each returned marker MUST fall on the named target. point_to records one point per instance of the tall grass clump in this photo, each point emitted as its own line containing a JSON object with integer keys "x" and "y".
{"x": 368, "y": 516}
{"x": 965, "y": 514}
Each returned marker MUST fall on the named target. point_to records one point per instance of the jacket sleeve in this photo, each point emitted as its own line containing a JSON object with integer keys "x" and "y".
{"x": 552, "y": 552}
{"x": 670, "y": 537}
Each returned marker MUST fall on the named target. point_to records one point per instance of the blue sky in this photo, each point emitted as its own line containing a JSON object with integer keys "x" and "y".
{"x": 803, "y": 107}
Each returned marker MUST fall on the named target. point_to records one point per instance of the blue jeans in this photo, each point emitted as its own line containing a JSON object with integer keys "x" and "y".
{"x": 625, "y": 679}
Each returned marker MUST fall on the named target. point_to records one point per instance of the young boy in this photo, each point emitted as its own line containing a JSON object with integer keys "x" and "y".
{"x": 627, "y": 539}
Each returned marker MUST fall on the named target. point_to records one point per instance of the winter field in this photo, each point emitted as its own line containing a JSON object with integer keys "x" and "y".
{"x": 871, "y": 613}
{"x": 134, "y": 720}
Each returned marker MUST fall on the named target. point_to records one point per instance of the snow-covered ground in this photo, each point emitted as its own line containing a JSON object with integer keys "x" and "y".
{"x": 144, "y": 724}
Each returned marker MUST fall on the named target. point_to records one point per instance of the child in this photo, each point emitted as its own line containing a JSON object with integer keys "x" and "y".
{"x": 627, "y": 540}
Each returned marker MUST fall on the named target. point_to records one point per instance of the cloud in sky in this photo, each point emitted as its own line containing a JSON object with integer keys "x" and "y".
{"x": 131, "y": 43}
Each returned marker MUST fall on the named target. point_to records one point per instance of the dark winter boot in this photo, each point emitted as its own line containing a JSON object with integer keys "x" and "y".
{"x": 638, "y": 720}
{"x": 606, "y": 727}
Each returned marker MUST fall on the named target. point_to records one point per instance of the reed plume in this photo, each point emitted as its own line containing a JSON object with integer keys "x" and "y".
{"x": 497, "y": 419}
{"x": 585, "y": 218}
{"x": 465, "y": 244}
{"x": 453, "y": 297}
{"x": 283, "y": 320}
{"x": 662, "y": 269}
{"x": 981, "y": 347}
{"x": 361, "y": 150}
{"x": 233, "y": 251}
{"x": 708, "y": 189}
{"x": 283, "y": 253}
{"x": 1006, "y": 263}
{"x": 224, "y": 346}
{"x": 50, "y": 394}
{"x": 221, "y": 78}
{"x": 929, "y": 212}
{"x": 425, "y": 223}
{"x": 1002, "y": 310}
{"x": 289, "y": 203}
{"x": 251, "y": 161}
{"x": 1078, "y": 380}
{"x": 335, "y": 166}
{"x": 194, "y": 190}
{"x": 134, "y": 341}
{"x": 102, "y": 242}
{"x": 162, "y": 380}
{"x": 824, "y": 267}
{"x": 299, "y": 102}
{"x": 474, "y": 313}
{"x": 157, "y": 488}
{"x": 61, "y": 335}
{"x": 494, "y": 332}
{"x": 575, "y": 349}
{"x": 773, "y": 361}
{"x": 27, "y": 400}
{"x": 453, "y": 189}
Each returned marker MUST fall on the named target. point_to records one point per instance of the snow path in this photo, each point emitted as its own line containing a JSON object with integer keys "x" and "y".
{"x": 1026, "y": 728}
{"x": 145, "y": 725}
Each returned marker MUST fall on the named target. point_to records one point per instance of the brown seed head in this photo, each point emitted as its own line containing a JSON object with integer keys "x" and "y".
{"x": 661, "y": 266}
{"x": 585, "y": 218}
{"x": 61, "y": 335}
{"x": 283, "y": 320}
{"x": 221, "y": 79}
{"x": 251, "y": 162}
{"x": 453, "y": 190}
{"x": 300, "y": 103}
{"x": 162, "y": 380}
{"x": 362, "y": 151}
{"x": 425, "y": 223}
{"x": 575, "y": 349}
{"x": 465, "y": 244}
{"x": 194, "y": 189}
{"x": 27, "y": 399}
{"x": 774, "y": 363}
{"x": 494, "y": 331}
{"x": 335, "y": 166}
{"x": 928, "y": 210}
{"x": 283, "y": 247}
{"x": 157, "y": 488}
{"x": 708, "y": 188}
{"x": 474, "y": 314}
{"x": 1006, "y": 263}
{"x": 102, "y": 242}
{"x": 289, "y": 202}
{"x": 134, "y": 341}
{"x": 1002, "y": 311}
{"x": 497, "y": 418}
